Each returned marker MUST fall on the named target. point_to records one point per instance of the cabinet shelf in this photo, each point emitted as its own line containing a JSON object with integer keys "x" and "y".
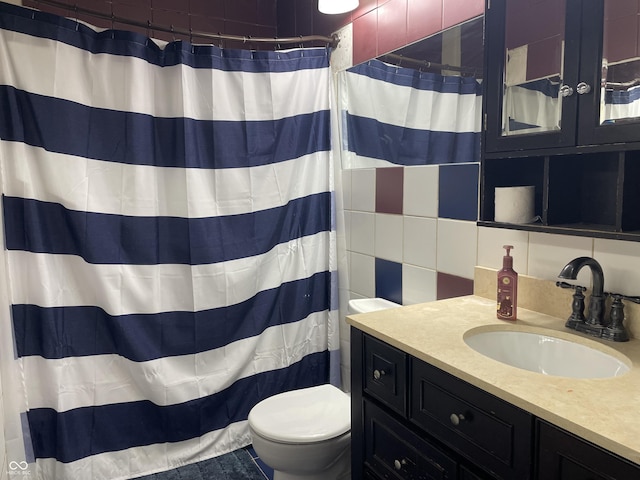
{"x": 577, "y": 193}
{"x": 596, "y": 231}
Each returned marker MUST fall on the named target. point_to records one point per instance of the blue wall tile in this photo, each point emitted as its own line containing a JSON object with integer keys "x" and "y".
{"x": 458, "y": 191}
{"x": 389, "y": 280}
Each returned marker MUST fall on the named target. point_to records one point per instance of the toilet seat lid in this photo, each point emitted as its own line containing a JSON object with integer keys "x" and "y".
{"x": 303, "y": 416}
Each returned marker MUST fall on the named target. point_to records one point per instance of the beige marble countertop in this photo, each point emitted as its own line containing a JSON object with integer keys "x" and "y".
{"x": 603, "y": 411}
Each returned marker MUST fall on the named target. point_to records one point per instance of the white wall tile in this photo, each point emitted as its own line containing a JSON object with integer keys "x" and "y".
{"x": 362, "y": 274}
{"x": 418, "y": 284}
{"x": 420, "y": 240}
{"x": 420, "y": 191}
{"x": 363, "y": 190}
{"x": 346, "y": 189}
{"x": 457, "y": 247}
{"x": 389, "y": 237}
{"x": 620, "y": 263}
{"x": 362, "y": 232}
{"x": 347, "y": 228}
{"x": 346, "y": 378}
{"x": 548, "y": 253}
{"x": 345, "y": 352}
{"x": 490, "y": 251}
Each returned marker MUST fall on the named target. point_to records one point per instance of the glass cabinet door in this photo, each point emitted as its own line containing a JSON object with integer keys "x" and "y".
{"x": 533, "y": 66}
{"x": 617, "y": 70}
{"x": 532, "y": 70}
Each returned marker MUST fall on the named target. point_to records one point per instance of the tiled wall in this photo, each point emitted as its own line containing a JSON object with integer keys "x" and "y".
{"x": 256, "y": 18}
{"x": 399, "y": 221}
{"x": 379, "y": 26}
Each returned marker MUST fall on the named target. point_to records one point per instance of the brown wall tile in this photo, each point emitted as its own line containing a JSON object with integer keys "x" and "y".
{"x": 424, "y": 18}
{"x": 450, "y": 286}
{"x": 389, "y": 190}
{"x": 365, "y": 37}
{"x": 392, "y": 26}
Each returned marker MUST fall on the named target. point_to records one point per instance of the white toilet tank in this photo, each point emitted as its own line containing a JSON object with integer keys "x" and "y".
{"x": 365, "y": 305}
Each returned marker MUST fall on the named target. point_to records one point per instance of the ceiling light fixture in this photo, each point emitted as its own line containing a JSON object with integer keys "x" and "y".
{"x": 332, "y": 7}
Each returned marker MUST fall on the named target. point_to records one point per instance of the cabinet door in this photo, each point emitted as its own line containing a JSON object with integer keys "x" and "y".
{"x": 532, "y": 52}
{"x": 396, "y": 453}
{"x": 610, "y": 64}
{"x": 385, "y": 372}
{"x": 561, "y": 73}
{"x": 562, "y": 456}
{"x": 491, "y": 433}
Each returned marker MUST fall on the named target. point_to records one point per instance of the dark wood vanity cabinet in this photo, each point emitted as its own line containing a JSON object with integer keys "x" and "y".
{"x": 581, "y": 151}
{"x": 411, "y": 420}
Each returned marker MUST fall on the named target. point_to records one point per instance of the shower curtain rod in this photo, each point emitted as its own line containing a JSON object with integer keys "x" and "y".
{"x": 400, "y": 59}
{"x": 331, "y": 41}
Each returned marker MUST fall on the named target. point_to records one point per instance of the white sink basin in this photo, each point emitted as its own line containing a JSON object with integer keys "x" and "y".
{"x": 545, "y": 354}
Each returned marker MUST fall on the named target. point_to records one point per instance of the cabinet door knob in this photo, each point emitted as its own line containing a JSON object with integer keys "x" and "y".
{"x": 398, "y": 464}
{"x": 377, "y": 374}
{"x": 456, "y": 418}
{"x": 583, "y": 88}
{"x": 566, "y": 91}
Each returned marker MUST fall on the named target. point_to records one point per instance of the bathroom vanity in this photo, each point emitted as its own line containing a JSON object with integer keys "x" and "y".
{"x": 427, "y": 406}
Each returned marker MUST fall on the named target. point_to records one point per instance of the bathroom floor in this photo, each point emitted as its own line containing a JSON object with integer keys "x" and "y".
{"x": 266, "y": 470}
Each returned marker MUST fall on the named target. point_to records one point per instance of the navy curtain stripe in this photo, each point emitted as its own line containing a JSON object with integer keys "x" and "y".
{"x": 622, "y": 97}
{"x": 34, "y": 226}
{"x": 371, "y": 138}
{"x": 140, "y": 139}
{"x": 82, "y": 432}
{"x": 124, "y": 43}
{"x": 409, "y": 77}
{"x": 59, "y": 332}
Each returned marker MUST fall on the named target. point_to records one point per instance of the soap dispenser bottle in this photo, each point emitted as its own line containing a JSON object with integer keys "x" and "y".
{"x": 507, "y": 288}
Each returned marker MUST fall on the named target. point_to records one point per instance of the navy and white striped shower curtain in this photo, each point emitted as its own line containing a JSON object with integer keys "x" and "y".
{"x": 169, "y": 245}
{"x": 395, "y": 116}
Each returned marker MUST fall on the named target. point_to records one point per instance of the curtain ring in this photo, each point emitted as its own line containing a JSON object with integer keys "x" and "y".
{"x": 190, "y": 35}
{"x": 173, "y": 34}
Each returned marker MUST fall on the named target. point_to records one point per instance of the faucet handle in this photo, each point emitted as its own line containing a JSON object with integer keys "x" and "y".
{"x": 615, "y": 330}
{"x": 632, "y": 299}
{"x": 620, "y": 296}
{"x": 577, "y": 288}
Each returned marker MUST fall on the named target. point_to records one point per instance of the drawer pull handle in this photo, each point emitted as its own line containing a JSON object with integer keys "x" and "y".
{"x": 456, "y": 418}
{"x": 398, "y": 464}
{"x": 377, "y": 374}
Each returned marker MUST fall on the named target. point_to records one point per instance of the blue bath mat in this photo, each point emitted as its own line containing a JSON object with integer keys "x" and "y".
{"x": 237, "y": 465}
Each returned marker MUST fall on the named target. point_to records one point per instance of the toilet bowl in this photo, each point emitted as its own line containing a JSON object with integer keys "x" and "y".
{"x": 304, "y": 434}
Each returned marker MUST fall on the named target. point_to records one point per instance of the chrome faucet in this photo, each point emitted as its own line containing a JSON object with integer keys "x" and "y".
{"x": 594, "y": 323}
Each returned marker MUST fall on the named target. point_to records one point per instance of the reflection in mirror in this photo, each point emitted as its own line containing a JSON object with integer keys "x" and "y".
{"x": 534, "y": 43}
{"x": 620, "y": 85}
{"x": 419, "y": 105}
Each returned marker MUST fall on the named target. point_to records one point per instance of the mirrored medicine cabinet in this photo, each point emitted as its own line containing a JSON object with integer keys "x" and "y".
{"x": 562, "y": 105}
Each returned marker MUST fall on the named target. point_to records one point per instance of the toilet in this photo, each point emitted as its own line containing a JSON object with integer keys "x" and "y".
{"x": 305, "y": 434}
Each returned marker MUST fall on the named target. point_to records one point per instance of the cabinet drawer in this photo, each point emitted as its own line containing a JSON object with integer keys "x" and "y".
{"x": 394, "y": 452}
{"x": 488, "y": 431}
{"x": 385, "y": 374}
{"x": 563, "y": 456}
